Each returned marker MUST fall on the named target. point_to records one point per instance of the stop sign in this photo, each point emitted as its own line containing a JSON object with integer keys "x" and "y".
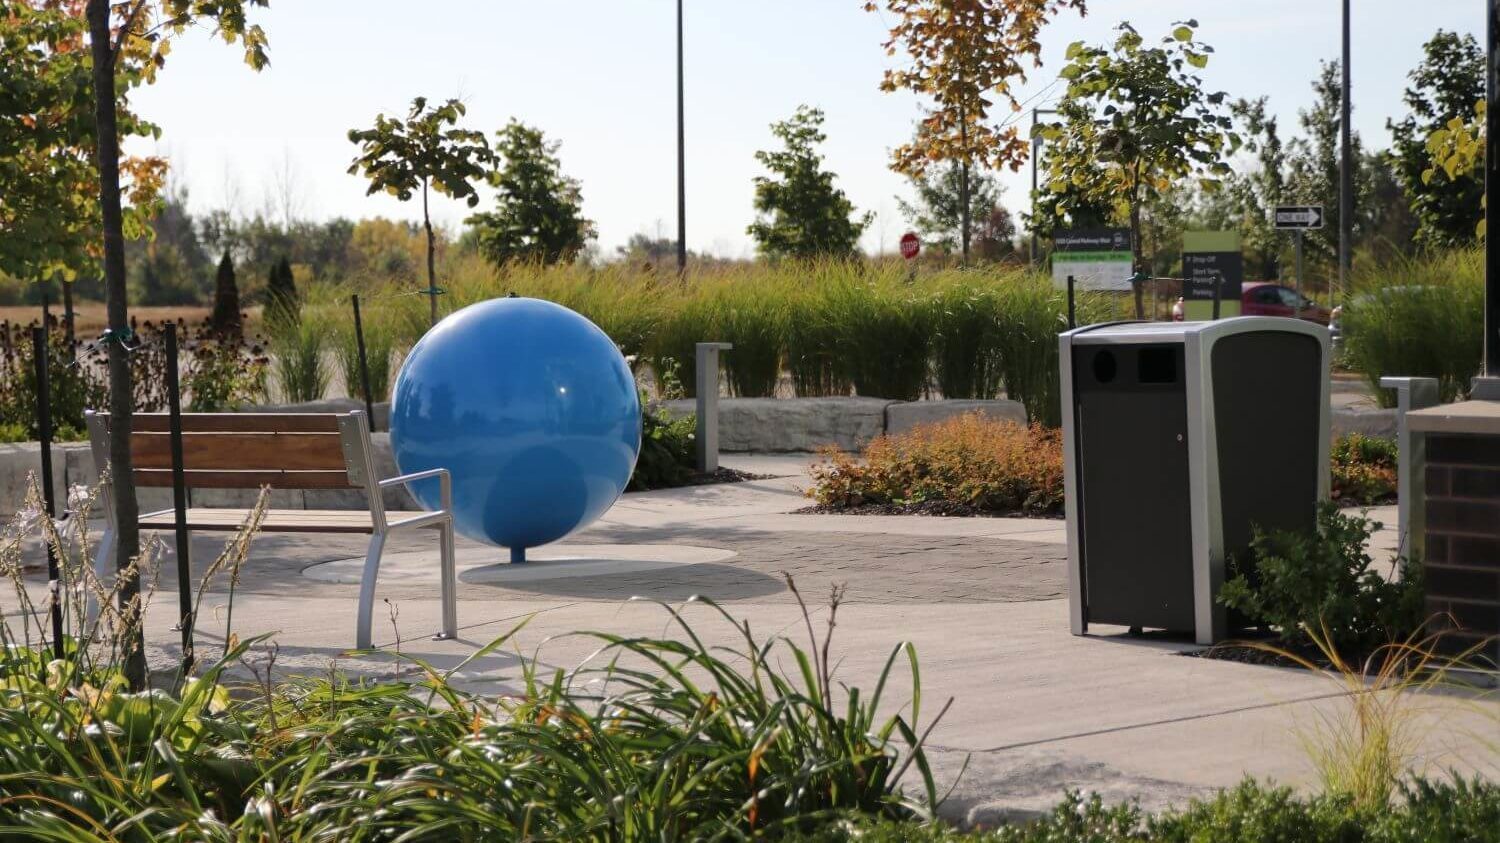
{"x": 911, "y": 244}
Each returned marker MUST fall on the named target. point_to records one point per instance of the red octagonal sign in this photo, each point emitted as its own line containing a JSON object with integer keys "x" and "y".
{"x": 911, "y": 244}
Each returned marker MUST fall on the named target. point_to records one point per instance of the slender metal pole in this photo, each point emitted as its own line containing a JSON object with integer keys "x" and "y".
{"x": 1072, "y": 311}
{"x": 681, "y": 158}
{"x": 1036, "y": 151}
{"x": 179, "y": 501}
{"x": 364, "y": 364}
{"x": 1298, "y": 312}
{"x": 1346, "y": 167}
{"x": 49, "y": 498}
{"x": 1492, "y": 194}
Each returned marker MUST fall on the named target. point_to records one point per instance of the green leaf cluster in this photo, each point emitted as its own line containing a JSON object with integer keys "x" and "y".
{"x": 1323, "y": 584}
{"x": 802, "y": 214}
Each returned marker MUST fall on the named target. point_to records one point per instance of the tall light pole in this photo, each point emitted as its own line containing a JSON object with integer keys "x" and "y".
{"x": 1492, "y": 192}
{"x": 1036, "y": 152}
{"x": 1346, "y": 168}
{"x": 681, "y": 159}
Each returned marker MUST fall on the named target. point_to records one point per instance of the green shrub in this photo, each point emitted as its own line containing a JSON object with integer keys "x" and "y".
{"x": 72, "y": 388}
{"x": 970, "y": 462}
{"x": 751, "y": 319}
{"x": 380, "y": 341}
{"x": 1364, "y": 469}
{"x": 649, "y": 739}
{"x": 668, "y": 457}
{"x": 1420, "y": 316}
{"x": 811, "y": 341}
{"x": 884, "y": 336}
{"x": 1301, "y": 584}
{"x": 223, "y": 373}
{"x": 297, "y": 358}
{"x": 1424, "y": 812}
{"x": 967, "y": 336}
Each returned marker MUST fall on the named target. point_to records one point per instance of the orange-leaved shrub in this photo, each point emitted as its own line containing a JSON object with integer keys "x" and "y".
{"x": 971, "y": 462}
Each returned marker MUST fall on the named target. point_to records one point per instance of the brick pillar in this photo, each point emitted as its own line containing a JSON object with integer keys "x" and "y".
{"x": 1462, "y": 558}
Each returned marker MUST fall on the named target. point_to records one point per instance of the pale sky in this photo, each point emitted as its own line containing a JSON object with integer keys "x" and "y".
{"x": 598, "y": 75}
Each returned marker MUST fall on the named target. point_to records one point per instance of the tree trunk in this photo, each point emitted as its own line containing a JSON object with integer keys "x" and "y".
{"x": 68, "y": 334}
{"x": 963, "y": 183}
{"x": 1135, "y": 242}
{"x": 431, "y": 272}
{"x": 963, "y": 213}
{"x": 128, "y": 536}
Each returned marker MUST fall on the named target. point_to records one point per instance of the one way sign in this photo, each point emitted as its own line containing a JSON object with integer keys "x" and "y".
{"x": 1299, "y": 216}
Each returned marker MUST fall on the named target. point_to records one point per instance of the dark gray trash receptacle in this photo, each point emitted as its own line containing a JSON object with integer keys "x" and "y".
{"x": 1177, "y": 438}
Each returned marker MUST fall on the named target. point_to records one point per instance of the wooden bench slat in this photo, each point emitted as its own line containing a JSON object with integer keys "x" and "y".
{"x": 241, "y": 451}
{"x": 213, "y": 479}
{"x": 238, "y": 422}
{"x": 275, "y": 521}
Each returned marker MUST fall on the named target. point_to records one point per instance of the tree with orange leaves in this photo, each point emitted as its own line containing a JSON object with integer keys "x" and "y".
{"x": 49, "y": 210}
{"x": 964, "y": 57}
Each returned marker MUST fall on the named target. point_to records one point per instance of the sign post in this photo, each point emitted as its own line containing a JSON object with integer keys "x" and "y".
{"x": 1298, "y": 219}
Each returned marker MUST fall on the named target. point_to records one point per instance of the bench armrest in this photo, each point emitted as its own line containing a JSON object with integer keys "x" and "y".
{"x": 445, "y": 483}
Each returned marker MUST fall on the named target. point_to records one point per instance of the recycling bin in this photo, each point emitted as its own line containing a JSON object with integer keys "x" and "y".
{"x": 1180, "y": 438}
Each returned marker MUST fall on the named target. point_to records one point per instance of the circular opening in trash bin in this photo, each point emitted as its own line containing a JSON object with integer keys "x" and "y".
{"x": 1105, "y": 366}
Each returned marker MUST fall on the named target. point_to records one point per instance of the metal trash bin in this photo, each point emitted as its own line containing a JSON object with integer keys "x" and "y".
{"x": 1178, "y": 438}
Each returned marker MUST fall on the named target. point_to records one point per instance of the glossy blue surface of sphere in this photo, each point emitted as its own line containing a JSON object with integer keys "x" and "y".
{"x": 532, "y": 409}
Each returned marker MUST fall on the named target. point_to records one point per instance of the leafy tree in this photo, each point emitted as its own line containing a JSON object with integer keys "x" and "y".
{"x": 539, "y": 213}
{"x": 1135, "y": 121}
{"x": 226, "y": 313}
{"x": 131, "y": 49}
{"x": 803, "y": 214}
{"x": 1457, "y": 150}
{"x": 425, "y": 151}
{"x": 1313, "y": 166}
{"x": 938, "y": 215}
{"x": 963, "y": 57}
{"x": 282, "y": 303}
{"x": 49, "y": 186}
{"x": 1444, "y": 88}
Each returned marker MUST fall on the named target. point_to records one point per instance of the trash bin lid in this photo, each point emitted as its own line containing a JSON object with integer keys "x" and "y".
{"x": 1111, "y": 333}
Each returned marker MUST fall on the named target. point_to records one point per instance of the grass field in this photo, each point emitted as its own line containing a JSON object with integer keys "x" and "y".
{"x": 89, "y": 316}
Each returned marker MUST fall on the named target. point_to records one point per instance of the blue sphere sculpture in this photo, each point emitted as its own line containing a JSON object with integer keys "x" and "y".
{"x": 531, "y": 408}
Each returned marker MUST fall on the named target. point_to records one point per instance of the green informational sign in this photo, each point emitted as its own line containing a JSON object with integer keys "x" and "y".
{"x": 1098, "y": 259}
{"x": 1211, "y": 259}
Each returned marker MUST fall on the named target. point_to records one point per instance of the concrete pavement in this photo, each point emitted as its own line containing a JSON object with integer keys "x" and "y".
{"x": 1035, "y": 711}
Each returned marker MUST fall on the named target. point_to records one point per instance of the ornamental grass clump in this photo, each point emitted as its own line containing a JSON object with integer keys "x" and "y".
{"x": 966, "y": 465}
{"x": 649, "y": 739}
{"x": 1418, "y": 316}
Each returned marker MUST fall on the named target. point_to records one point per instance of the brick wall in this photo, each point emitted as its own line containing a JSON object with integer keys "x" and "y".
{"x": 1463, "y": 540}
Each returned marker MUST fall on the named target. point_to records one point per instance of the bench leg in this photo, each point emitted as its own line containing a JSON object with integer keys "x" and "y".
{"x": 450, "y": 582}
{"x": 104, "y": 556}
{"x": 367, "y": 591}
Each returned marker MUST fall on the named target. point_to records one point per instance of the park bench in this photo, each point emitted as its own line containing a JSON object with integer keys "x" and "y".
{"x": 304, "y": 451}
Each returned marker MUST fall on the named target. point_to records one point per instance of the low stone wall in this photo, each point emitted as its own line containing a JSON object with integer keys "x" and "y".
{"x": 746, "y": 425}
{"x": 1372, "y": 422}
{"x": 803, "y": 425}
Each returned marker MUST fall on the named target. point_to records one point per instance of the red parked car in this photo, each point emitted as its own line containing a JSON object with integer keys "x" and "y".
{"x": 1263, "y": 298}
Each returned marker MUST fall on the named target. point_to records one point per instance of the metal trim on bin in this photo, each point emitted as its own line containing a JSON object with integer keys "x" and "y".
{"x": 1206, "y": 510}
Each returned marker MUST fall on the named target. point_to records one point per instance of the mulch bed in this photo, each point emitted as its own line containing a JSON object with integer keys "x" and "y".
{"x": 939, "y": 509}
{"x": 725, "y": 475}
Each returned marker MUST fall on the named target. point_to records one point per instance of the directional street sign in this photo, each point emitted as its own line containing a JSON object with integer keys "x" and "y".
{"x": 1299, "y": 216}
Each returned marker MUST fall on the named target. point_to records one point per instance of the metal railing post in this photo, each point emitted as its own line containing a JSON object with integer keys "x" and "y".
{"x": 708, "y": 404}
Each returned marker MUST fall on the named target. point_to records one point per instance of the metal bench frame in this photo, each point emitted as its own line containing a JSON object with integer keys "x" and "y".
{"x": 354, "y": 436}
